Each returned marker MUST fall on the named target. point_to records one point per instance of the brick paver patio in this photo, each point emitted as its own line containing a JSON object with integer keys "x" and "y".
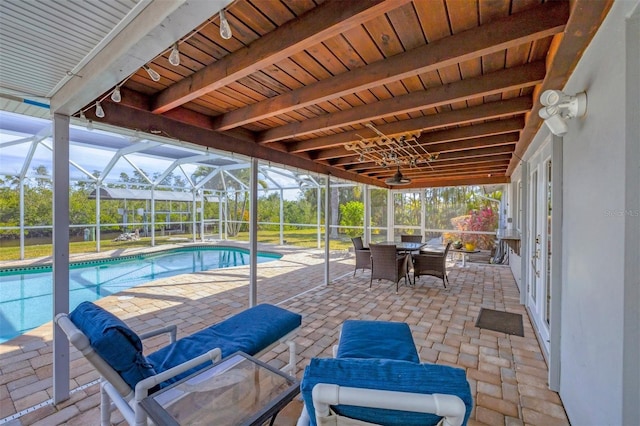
{"x": 508, "y": 374}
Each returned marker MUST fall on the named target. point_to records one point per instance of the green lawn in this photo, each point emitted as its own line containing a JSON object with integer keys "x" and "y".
{"x": 301, "y": 238}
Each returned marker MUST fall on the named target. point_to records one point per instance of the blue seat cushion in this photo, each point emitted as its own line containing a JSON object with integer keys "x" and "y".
{"x": 249, "y": 331}
{"x": 377, "y": 339}
{"x": 116, "y": 343}
{"x": 384, "y": 374}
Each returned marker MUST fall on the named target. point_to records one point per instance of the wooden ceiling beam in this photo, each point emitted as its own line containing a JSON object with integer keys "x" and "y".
{"x": 496, "y": 127}
{"x": 515, "y": 78}
{"x": 450, "y": 171}
{"x": 443, "y": 136}
{"x": 480, "y": 152}
{"x": 527, "y": 26}
{"x": 122, "y": 115}
{"x": 498, "y": 171}
{"x": 139, "y": 101}
{"x": 455, "y": 162}
{"x": 325, "y": 21}
{"x": 488, "y": 111}
{"x": 480, "y": 179}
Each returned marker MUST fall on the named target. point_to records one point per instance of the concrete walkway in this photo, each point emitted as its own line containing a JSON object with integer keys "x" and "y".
{"x": 508, "y": 375}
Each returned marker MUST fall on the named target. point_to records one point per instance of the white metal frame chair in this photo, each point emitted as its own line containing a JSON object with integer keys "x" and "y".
{"x": 115, "y": 393}
{"x": 449, "y": 407}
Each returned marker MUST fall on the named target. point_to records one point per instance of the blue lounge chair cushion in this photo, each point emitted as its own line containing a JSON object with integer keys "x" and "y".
{"x": 388, "y": 375}
{"x": 377, "y": 339}
{"x": 249, "y": 331}
{"x": 116, "y": 343}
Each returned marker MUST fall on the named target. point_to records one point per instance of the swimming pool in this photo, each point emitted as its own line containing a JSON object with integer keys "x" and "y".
{"x": 26, "y": 293}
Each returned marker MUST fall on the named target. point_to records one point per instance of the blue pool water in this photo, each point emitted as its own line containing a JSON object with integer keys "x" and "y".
{"x": 26, "y": 293}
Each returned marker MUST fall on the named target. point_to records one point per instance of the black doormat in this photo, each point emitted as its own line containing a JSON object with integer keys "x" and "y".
{"x": 504, "y": 322}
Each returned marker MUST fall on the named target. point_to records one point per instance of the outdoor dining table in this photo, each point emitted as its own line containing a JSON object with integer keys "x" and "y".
{"x": 405, "y": 246}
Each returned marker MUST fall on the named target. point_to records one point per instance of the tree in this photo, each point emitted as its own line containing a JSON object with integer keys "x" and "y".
{"x": 351, "y": 214}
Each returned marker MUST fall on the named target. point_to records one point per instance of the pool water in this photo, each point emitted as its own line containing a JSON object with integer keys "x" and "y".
{"x": 26, "y": 299}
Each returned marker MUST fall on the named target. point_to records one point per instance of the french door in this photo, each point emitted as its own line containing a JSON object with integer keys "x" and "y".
{"x": 540, "y": 265}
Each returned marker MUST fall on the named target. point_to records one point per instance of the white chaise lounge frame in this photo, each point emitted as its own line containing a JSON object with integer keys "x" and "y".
{"x": 450, "y": 407}
{"x": 116, "y": 393}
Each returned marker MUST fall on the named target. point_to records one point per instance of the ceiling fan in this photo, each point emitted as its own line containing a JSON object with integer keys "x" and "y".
{"x": 397, "y": 179}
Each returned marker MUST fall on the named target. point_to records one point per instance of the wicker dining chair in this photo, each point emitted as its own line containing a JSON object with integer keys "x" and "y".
{"x": 387, "y": 264}
{"x": 434, "y": 264}
{"x": 363, "y": 255}
{"x": 405, "y": 238}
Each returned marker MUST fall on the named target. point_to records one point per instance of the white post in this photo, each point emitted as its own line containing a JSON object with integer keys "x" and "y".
{"x": 202, "y": 217}
{"x": 281, "y": 216}
{"x": 319, "y": 216}
{"x": 194, "y": 212}
{"x": 220, "y": 215}
{"x": 327, "y": 232}
{"x": 555, "y": 316}
{"x": 21, "y": 218}
{"x": 390, "y": 217}
{"x": 423, "y": 214}
{"x": 98, "y": 217}
{"x": 153, "y": 216}
{"x": 524, "y": 234}
{"x": 60, "y": 254}
{"x": 253, "y": 235}
{"x": 367, "y": 215}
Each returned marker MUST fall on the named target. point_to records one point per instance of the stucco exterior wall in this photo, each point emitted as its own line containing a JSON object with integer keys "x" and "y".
{"x": 596, "y": 266}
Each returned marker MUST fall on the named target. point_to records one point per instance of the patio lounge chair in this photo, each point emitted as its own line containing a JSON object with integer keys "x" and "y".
{"x": 376, "y": 378}
{"x": 363, "y": 255}
{"x": 431, "y": 263}
{"x": 387, "y": 264}
{"x": 128, "y": 376}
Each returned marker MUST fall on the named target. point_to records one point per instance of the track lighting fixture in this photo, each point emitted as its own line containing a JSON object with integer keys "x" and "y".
{"x": 152, "y": 73}
{"x": 115, "y": 95}
{"x": 82, "y": 116}
{"x": 560, "y": 107}
{"x": 99, "y": 110}
{"x": 225, "y": 28}
{"x": 174, "y": 57}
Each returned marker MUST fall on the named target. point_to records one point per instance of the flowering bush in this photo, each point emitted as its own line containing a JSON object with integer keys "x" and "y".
{"x": 481, "y": 220}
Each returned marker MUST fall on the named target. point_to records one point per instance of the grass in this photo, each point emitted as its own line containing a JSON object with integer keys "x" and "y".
{"x": 302, "y": 238}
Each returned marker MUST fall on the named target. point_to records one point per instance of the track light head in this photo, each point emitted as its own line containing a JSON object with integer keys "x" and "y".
{"x": 174, "y": 57}
{"x": 152, "y": 73}
{"x": 225, "y": 28}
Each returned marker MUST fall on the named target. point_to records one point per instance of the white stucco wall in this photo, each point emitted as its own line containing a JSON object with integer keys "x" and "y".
{"x": 593, "y": 276}
{"x": 593, "y": 232}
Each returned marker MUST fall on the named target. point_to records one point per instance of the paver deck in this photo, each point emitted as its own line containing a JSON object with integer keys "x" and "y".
{"x": 508, "y": 374}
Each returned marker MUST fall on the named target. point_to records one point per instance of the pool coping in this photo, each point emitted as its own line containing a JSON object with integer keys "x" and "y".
{"x": 126, "y": 253}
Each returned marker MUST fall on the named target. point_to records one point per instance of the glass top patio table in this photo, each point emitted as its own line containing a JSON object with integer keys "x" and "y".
{"x": 239, "y": 390}
{"x": 404, "y": 246}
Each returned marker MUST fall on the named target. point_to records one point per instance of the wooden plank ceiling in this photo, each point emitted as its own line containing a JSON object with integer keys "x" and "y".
{"x": 301, "y": 81}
